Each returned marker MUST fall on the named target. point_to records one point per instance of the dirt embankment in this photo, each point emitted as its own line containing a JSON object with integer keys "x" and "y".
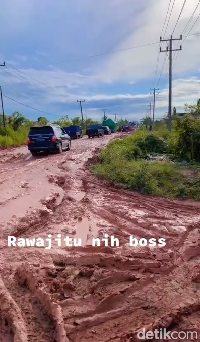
{"x": 87, "y": 293}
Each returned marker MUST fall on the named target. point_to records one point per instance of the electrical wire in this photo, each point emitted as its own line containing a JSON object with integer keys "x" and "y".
{"x": 11, "y": 72}
{"x": 79, "y": 59}
{"x": 166, "y": 16}
{"x": 188, "y": 34}
{"x": 164, "y": 61}
{"x": 164, "y": 37}
{"x": 28, "y": 76}
{"x": 105, "y": 53}
{"x": 191, "y": 17}
{"x": 23, "y": 104}
{"x": 179, "y": 16}
{"x": 19, "y": 92}
{"x": 92, "y": 56}
{"x": 192, "y": 26}
{"x": 158, "y": 56}
{"x": 169, "y": 18}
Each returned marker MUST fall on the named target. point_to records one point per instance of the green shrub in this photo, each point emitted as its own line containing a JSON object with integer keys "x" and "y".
{"x": 10, "y": 137}
{"x": 121, "y": 164}
{"x": 152, "y": 144}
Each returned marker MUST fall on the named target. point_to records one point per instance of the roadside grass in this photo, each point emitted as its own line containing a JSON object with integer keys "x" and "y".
{"x": 121, "y": 163}
{"x": 11, "y": 138}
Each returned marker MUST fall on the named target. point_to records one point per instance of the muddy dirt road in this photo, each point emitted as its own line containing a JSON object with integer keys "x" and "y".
{"x": 86, "y": 293}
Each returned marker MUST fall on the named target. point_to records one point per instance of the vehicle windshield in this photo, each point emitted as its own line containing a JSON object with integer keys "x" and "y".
{"x": 41, "y": 130}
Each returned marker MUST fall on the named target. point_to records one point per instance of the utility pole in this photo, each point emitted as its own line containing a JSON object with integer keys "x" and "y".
{"x": 85, "y": 119}
{"x": 154, "y": 101}
{"x": 104, "y": 110}
{"x": 1, "y": 65}
{"x": 150, "y": 123}
{"x": 115, "y": 117}
{"x": 80, "y": 101}
{"x": 147, "y": 111}
{"x": 170, "y": 50}
{"x": 4, "y": 123}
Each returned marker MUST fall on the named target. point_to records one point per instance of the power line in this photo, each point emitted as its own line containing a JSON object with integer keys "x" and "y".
{"x": 18, "y": 92}
{"x": 23, "y": 104}
{"x": 186, "y": 26}
{"x": 164, "y": 61}
{"x": 105, "y": 53}
{"x": 19, "y": 76}
{"x": 164, "y": 36}
{"x": 190, "y": 19}
{"x": 126, "y": 49}
{"x": 172, "y": 34}
{"x": 169, "y": 19}
{"x": 79, "y": 59}
{"x": 179, "y": 16}
{"x": 166, "y": 17}
{"x": 192, "y": 26}
{"x": 29, "y": 76}
{"x": 25, "y": 97}
{"x": 158, "y": 56}
{"x": 188, "y": 34}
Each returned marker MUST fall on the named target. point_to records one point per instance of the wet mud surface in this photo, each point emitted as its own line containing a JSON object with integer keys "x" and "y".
{"x": 81, "y": 292}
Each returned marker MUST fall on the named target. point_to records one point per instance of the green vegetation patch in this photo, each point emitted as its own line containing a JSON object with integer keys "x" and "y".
{"x": 122, "y": 164}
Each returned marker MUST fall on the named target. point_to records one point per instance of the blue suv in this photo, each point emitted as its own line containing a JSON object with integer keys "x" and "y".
{"x": 49, "y": 138}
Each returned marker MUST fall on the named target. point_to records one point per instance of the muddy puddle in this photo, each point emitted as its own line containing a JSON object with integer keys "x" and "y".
{"x": 5, "y": 335}
{"x": 86, "y": 229}
{"x": 6, "y": 338}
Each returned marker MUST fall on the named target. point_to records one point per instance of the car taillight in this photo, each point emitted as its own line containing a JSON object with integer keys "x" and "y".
{"x": 28, "y": 140}
{"x": 54, "y": 139}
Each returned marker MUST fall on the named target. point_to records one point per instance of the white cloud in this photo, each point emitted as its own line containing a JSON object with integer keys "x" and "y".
{"x": 140, "y": 63}
{"x": 84, "y": 28}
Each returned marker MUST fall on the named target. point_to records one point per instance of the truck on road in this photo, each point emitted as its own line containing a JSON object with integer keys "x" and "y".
{"x": 75, "y": 132}
{"x": 94, "y": 131}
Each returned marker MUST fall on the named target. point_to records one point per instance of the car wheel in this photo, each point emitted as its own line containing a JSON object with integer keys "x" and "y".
{"x": 59, "y": 150}
{"x": 69, "y": 146}
{"x": 34, "y": 153}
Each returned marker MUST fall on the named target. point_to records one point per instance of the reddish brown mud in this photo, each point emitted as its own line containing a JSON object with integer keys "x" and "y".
{"x": 91, "y": 293}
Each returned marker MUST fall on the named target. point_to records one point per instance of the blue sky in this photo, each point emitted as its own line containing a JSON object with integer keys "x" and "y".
{"x": 50, "y": 44}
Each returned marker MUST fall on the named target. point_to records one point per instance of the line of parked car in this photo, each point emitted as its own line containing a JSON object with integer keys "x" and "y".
{"x": 97, "y": 131}
{"x": 53, "y": 138}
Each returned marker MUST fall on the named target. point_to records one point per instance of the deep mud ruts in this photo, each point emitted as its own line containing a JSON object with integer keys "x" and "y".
{"x": 88, "y": 293}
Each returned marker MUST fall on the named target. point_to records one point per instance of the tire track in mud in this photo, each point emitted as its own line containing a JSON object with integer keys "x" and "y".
{"x": 106, "y": 293}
